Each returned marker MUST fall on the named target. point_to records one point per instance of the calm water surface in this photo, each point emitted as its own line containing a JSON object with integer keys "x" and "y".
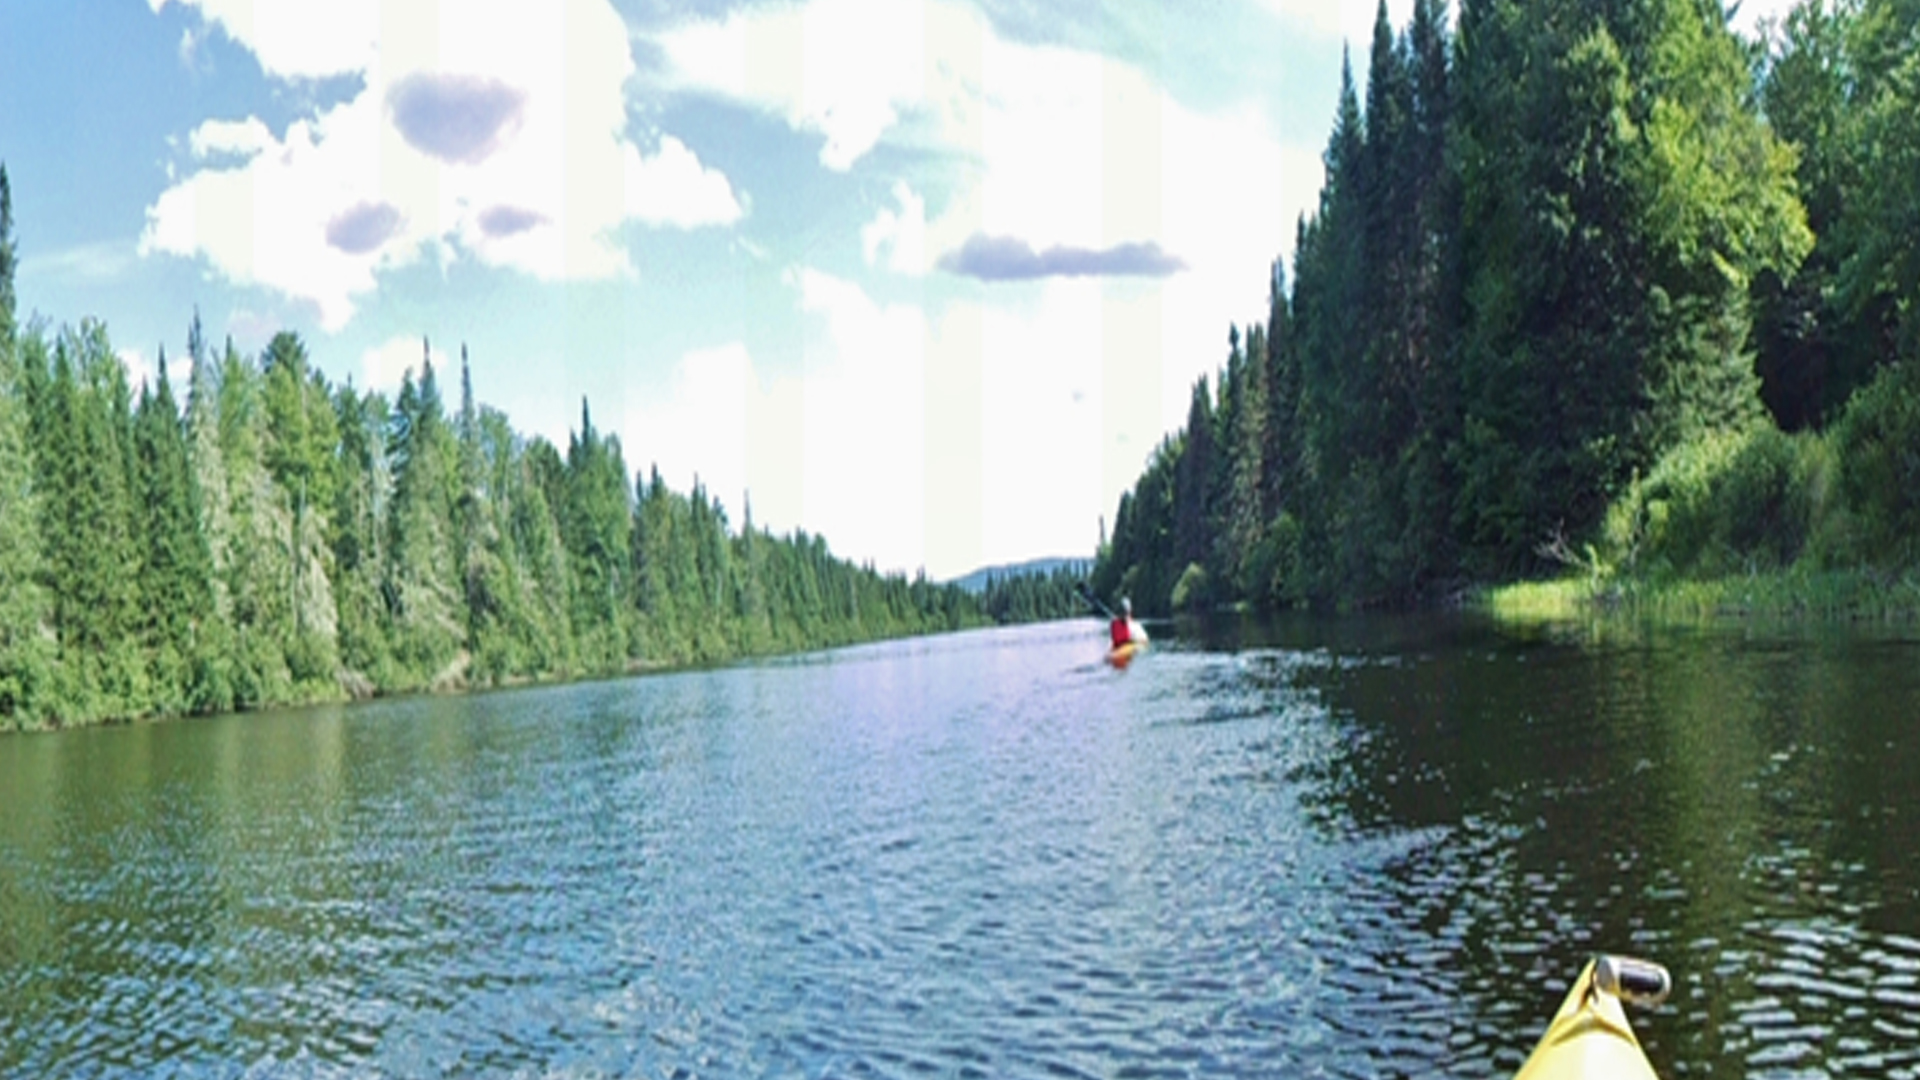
{"x": 1353, "y": 848}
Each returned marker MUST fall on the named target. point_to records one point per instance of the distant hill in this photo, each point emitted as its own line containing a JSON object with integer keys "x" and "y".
{"x": 976, "y": 582}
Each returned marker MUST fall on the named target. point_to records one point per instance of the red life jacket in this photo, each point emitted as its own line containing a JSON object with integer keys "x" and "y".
{"x": 1121, "y": 633}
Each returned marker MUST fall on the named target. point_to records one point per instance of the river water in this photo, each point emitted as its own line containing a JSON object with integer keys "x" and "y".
{"x": 1348, "y": 848}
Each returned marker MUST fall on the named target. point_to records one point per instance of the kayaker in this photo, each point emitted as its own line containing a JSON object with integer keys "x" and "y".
{"x": 1126, "y": 629}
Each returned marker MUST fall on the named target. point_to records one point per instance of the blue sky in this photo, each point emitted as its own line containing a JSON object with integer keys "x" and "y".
{"x": 928, "y": 277}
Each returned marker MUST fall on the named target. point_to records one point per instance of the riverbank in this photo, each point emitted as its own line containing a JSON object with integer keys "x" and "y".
{"x": 1823, "y": 595}
{"x": 354, "y": 688}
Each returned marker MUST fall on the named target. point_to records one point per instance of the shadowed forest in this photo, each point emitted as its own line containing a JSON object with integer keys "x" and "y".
{"x": 1594, "y": 285}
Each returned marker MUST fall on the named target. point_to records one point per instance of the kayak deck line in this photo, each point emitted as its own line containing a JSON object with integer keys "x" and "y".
{"x": 1590, "y": 1036}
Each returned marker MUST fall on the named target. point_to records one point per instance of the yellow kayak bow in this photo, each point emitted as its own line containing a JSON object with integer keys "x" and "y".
{"x": 1589, "y": 1037}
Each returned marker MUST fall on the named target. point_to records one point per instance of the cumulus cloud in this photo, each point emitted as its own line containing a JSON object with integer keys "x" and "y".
{"x": 1144, "y": 224}
{"x": 363, "y": 227}
{"x": 672, "y": 188}
{"x": 697, "y": 426}
{"x": 1059, "y": 162}
{"x": 1349, "y": 20}
{"x": 460, "y": 119}
{"x": 500, "y": 221}
{"x": 144, "y": 371}
{"x": 242, "y": 138}
{"x": 1752, "y": 17}
{"x": 387, "y": 364}
{"x": 494, "y": 130}
{"x": 296, "y": 40}
{"x": 900, "y": 231}
{"x": 842, "y": 69}
{"x": 861, "y": 413}
{"x": 1007, "y": 258}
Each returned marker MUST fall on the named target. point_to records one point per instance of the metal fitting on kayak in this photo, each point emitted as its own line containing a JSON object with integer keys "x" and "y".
{"x": 1641, "y": 982}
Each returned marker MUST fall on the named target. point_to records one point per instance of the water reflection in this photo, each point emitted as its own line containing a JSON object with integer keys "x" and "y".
{"x": 1357, "y": 847}
{"x": 1735, "y": 803}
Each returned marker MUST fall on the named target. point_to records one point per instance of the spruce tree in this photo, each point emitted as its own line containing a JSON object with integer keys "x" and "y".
{"x": 361, "y": 503}
{"x": 263, "y": 572}
{"x": 88, "y": 528}
{"x": 177, "y": 570}
{"x": 542, "y": 550}
{"x": 1193, "y": 510}
{"x": 429, "y": 620}
{"x": 215, "y": 673}
{"x": 596, "y": 523}
{"x": 27, "y": 655}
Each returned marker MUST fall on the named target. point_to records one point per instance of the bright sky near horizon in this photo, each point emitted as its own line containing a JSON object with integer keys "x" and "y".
{"x": 930, "y": 278}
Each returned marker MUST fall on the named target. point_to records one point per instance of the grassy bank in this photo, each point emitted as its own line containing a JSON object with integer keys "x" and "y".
{"x": 1823, "y": 595}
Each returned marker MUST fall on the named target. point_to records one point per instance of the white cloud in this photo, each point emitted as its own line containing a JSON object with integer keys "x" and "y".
{"x": 494, "y": 131}
{"x": 297, "y": 40}
{"x": 899, "y": 232}
{"x": 837, "y": 448}
{"x": 697, "y": 428}
{"x": 140, "y": 367}
{"x": 842, "y": 69}
{"x": 863, "y": 409}
{"x": 1047, "y": 146}
{"x": 1754, "y": 12}
{"x": 1043, "y": 398}
{"x": 947, "y": 439}
{"x": 386, "y": 365}
{"x": 673, "y": 188}
{"x": 1348, "y": 20}
{"x": 245, "y": 138}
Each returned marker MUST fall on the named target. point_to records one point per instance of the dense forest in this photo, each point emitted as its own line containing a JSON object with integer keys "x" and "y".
{"x": 1594, "y": 283}
{"x": 281, "y": 540}
{"x": 1036, "y": 595}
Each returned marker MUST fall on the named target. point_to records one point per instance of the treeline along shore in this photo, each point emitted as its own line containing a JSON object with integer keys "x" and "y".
{"x": 1592, "y": 288}
{"x": 283, "y": 540}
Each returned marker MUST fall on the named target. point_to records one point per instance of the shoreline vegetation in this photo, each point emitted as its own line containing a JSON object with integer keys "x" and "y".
{"x": 280, "y": 540}
{"x": 1853, "y": 597}
{"x": 1601, "y": 299}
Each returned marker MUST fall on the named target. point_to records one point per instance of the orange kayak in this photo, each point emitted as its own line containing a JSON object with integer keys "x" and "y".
{"x": 1122, "y": 655}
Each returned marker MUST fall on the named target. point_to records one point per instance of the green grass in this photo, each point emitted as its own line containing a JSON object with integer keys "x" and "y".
{"x": 1798, "y": 594}
{"x": 1541, "y": 601}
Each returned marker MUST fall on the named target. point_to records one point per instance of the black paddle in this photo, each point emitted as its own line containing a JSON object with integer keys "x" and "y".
{"x": 1087, "y": 595}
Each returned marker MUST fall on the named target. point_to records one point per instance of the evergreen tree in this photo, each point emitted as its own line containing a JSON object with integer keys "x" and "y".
{"x": 27, "y": 655}
{"x": 360, "y": 515}
{"x": 1810, "y": 355}
{"x": 597, "y": 527}
{"x": 300, "y": 454}
{"x": 1554, "y": 309}
{"x": 1844, "y": 89}
{"x": 428, "y": 616}
{"x": 1243, "y": 512}
{"x": 262, "y": 576}
{"x": 1193, "y": 488}
{"x": 542, "y": 551}
{"x": 216, "y": 668}
{"x": 660, "y": 572}
{"x": 485, "y": 591}
{"x": 88, "y": 529}
{"x": 753, "y": 618}
{"x": 177, "y": 582}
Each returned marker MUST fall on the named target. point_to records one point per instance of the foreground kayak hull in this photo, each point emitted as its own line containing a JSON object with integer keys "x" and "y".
{"x": 1589, "y": 1038}
{"x": 1122, "y": 655}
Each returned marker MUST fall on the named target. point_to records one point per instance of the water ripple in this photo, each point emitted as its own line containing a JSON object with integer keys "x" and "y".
{"x": 985, "y": 856}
